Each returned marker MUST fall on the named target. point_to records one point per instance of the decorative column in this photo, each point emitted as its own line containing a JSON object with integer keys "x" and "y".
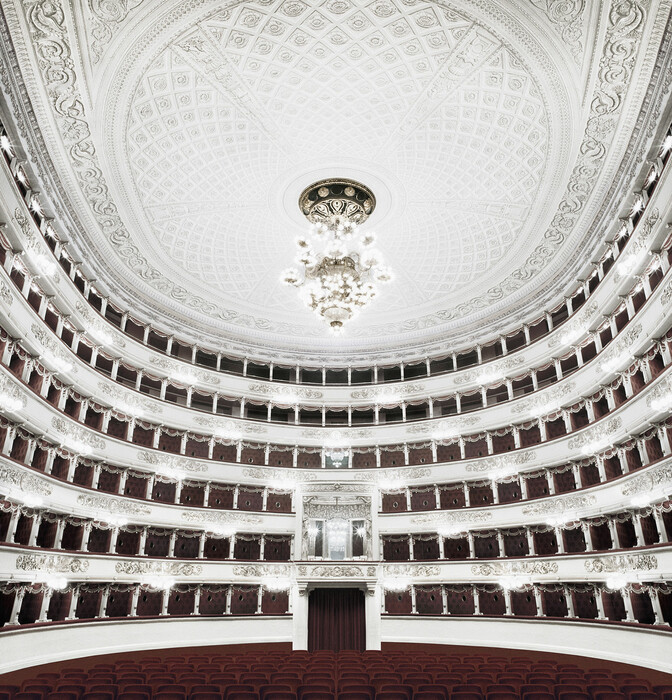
{"x": 16, "y": 607}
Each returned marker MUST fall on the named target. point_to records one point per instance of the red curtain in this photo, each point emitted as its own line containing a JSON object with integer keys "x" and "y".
{"x": 336, "y": 619}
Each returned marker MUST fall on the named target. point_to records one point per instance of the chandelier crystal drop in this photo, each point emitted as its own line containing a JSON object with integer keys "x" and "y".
{"x": 340, "y": 269}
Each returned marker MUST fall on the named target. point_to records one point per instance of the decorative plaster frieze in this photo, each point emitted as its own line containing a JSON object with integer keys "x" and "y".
{"x": 515, "y": 567}
{"x": 597, "y": 436}
{"x": 113, "y": 505}
{"x": 6, "y": 294}
{"x": 338, "y": 571}
{"x": 656, "y": 481}
{"x": 621, "y": 563}
{"x": 567, "y": 17}
{"x": 158, "y": 460}
{"x": 23, "y": 480}
{"x": 106, "y": 18}
{"x": 666, "y": 296}
{"x": 576, "y": 327}
{"x": 52, "y": 563}
{"x": 502, "y": 464}
{"x": 490, "y": 372}
{"x": 182, "y": 372}
{"x": 279, "y": 391}
{"x": 75, "y": 437}
{"x": 53, "y": 352}
{"x": 206, "y": 519}
{"x": 11, "y": 397}
{"x": 453, "y": 519}
{"x": 558, "y": 506}
{"x": 402, "y": 475}
{"x": 126, "y": 401}
{"x": 167, "y": 568}
{"x": 416, "y": 571}
{"x": 336, "y": 437}
{"x": 98, "y": 329}
{"x": 263, "y": 570}
{"x": 280, "y": 476}
{"x": 383, "y": 394}
{"x": 445, "y": 426}
{"x": 547, "y": 401}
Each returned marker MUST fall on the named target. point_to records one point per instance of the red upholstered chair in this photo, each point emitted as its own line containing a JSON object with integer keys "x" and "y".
{"x": 318, "y": 695}
{"x": 536, "y": 688}
{"x": 602, "y": 687}
{"x": 538, "y": 695}
{"x": 391, "y": 695}
{"x": 662, "y": 689}
{"x": 433, "y": 688}
{"x": 232, "y": 693}
{"x": 645, "y": 696}
{"x": 463, "y": 695}
{"x": 428, "y": 695}
{"x": 133, "y": 695}
{"x": 281, "y": 695}
{"x": 28, "y": 695}
{"x": 168, "y": 695}
{"x": 347, "y": 687}
{"x": 58, "y": 695}
{"x": 323, "y": 686}
{"x": 98, "y": 696}
{"x": 503, "y": 695}
{"x": 395, "y": 688}
{"x": 573, "y": 695}
{"x": 610, "y": 695}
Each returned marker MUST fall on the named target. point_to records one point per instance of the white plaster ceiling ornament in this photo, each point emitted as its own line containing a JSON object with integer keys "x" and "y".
{"x": 181, "y": 137}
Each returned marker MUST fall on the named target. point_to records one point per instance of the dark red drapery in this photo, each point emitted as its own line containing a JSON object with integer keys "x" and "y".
{"x": 336, "y": 619}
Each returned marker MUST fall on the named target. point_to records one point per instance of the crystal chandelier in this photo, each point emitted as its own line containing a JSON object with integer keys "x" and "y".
{"x": 340, "y": 268}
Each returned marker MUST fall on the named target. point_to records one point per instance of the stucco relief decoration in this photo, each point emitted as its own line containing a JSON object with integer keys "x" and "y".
{"x": 638, "y": 246}
{"x": 16, "y": 478}
{"x": 656, "y": 481}
{"x": 445, "y": 428}
{"x": 660, "y": 397}
{"x": 76, "y": 438}
{"x": 11, "y": 397}
{"x": 453, "y": 520}
{"x": 126, "y": 402}
{"x": 402, "y": 475}
{"x": 219, "y": 519}
{"x": 344, "y": 511}
{"x": 107, "y": 17}
{"x": 492, "y": 371}
{"x": 6, "y": 294}
{"x": 184, "y": 373}
{"x": 574, "y": 329}
{"x": 548, "y": 401}
{"x": 567, "y": 17}
{"x": 158, "y": 567}
{"x": 558, "y": 506}
{"x": 502, "y": 464}
{"x": 280, "y": 476}
{"x": 279, "y": 392}
{"x": 99, "y": 330}
{"x": 385, "y": 395}
{"x": 336, "y": 571}
{"x": 231, "y": 430}
{"x": 53, "y": 354}
{"x": 596, "y": 438}
{"x": 53, "y": 563}
{"x": 336, "y": 436}
{"x": 42, "y": 260}
{"x": 112, "y": 505}
{"x": 512, "y": 568}
{"x": 621, "y": 563}
{"x": 620, "y": 354}
{"x": 419, "y": 571}
{"x": 175, "y": 464}
{"x": 262, "y": 570}
{"x": 666, "y": 296}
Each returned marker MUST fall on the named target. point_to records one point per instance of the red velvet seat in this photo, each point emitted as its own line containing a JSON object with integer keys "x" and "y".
{"x": 502, "y": 695}
{"x": 133, "y": 695}
{"x": 391, "y": 695}
{"x": 466, "y": 695}
{"x": 318, "y": 695}
{"x": 98, "y": 696}
{"x": 60, "y": 695}
{"x": 28, "y": 695}
{"x": 281, "y": 695}
{"x": 538, "y": 695}
{"x": 240, "y": 689}
{"x": 428, "y": 695}
{"x": 573, "y": 695}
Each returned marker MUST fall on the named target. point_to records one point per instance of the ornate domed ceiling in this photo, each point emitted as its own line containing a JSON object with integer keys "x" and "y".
{"x": 179, "y": 136}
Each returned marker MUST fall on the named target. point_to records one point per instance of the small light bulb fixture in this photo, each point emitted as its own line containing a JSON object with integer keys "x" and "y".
{"x": 339, "y": 271}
